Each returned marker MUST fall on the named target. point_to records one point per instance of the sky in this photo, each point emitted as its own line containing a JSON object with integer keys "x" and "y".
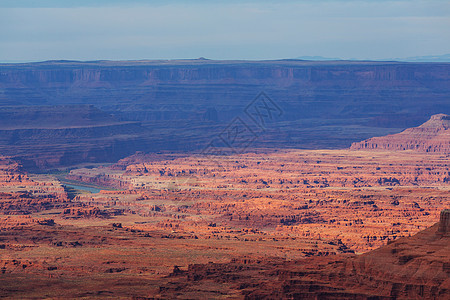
{"x": 247, "y": 29}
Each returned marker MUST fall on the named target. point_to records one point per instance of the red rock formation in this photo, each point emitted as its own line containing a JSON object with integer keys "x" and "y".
{"x": 266, "y": 211}
{"x": 432, "y": 136}
{"x": 366, "y": 199}
{"x": 21, "y": 195}
{"x": 88, "y": 212}
{"x": 411, "y": 268}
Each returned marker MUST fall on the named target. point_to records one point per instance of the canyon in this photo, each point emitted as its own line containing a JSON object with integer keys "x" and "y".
{"x": 133, "y": 180}
{"x": 45, "y": 137}
{"x": 181, "y": 105}
{"x": 262, "y": 224}
{"x": 414, "y": 267}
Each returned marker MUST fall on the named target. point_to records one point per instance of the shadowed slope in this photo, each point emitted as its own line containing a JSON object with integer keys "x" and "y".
{"x": 51, "y": 136}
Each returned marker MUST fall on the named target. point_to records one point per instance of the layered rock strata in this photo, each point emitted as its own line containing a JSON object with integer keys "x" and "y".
{"x": 432, "y": 136}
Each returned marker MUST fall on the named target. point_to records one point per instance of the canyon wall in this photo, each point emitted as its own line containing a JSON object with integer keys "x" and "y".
{"x": 185, "y": 104}
{"x": 43, "y": 137}
{"x": 165, "y": 90}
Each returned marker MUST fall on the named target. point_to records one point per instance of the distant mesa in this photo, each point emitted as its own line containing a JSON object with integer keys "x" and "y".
{"x": 427, "y": 58}
{"x": 328, "y": 103}
{"x": 433, "y": 136}
{"x": 318, "y": 58}
{"x": 58, "y": 135}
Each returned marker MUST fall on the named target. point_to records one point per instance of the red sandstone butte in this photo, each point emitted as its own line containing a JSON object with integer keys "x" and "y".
{"x": 432, "y": 136}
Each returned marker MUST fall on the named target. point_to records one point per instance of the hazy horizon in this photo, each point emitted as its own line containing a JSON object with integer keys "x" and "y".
{"x": 246, "y": 30}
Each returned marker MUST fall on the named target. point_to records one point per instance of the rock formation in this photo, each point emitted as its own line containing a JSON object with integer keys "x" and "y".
{"x": 365, "y": 199}
{"x": 43, "y": 137}
{"x": 414, "y": 267}
{"x": 432, "y": 137}
{"x": 275, "y": 224}
{"x": 444, "y": 223}
{"x": 21, "y": 195}
{"x": 185, "y": 104}
{"x": 89, "y": 212}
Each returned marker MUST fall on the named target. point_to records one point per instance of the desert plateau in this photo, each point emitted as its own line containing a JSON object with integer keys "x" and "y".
{"x": 267, "y": 223}
{"x": 225, "y": 149}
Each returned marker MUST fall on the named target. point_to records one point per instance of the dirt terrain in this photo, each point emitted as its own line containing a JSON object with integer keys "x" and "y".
{"x": 416, "y": 267}
{"x": 263, "y": 224}
{"x": 362, "y": 198}
{"x": 262, "y": 211}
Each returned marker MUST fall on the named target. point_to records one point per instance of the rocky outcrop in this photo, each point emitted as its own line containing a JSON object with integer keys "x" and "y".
{"x": 444, "y": 223}
{"x": 89, "y": 212}
{"x": 432, "y": 136}
{"x": 21, "y": 195}
{"x": 415, "y": 267}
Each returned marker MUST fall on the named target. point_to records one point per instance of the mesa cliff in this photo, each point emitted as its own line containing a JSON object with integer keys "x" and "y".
{"x": 43, "y": 137}
{"x": 183, "y": 104}
{"x": 432, "y": 136}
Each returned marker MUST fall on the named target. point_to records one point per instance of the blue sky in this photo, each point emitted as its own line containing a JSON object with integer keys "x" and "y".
{"x": 101, "y": 29}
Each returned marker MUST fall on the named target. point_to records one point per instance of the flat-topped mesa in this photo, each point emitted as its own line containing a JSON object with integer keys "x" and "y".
{"x": 444, "y": 223}
{"x": 437, "y": 122}
{"x": 433, "y": 136}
